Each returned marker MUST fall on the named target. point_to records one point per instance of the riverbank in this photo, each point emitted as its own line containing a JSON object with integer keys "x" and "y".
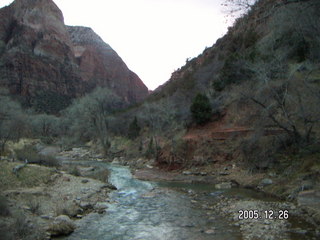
{"x": 302, "y": 204}
{"x": 299, "y": 223}
{"x": 42, "y": 202}
{"x": 267, "y": 220}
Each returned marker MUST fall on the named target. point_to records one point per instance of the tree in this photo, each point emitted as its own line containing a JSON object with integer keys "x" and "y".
{"x": 236, "y": 8}
{"x": 11, "y": 120}
{"x": 134, "y": 129}
{"x": 89, "y": 116}
{"x": 160, "y": 117}
{"x": 201, "y": 109}
{"x": 44, "y": 126}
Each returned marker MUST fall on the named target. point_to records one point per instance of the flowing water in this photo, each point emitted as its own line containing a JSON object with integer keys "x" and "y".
{"x": 156, "y": 211}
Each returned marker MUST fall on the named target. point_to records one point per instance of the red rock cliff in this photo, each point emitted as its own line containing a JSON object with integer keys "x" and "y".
{"x": 38, "y": 52}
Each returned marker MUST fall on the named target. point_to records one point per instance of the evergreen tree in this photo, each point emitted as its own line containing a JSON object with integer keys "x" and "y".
{"x": 200, "y": 109}
{"x": 134, "y": 129}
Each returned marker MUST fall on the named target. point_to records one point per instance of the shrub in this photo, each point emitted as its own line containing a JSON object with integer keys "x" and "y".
{"x": 49, "y": 161}
{"x": 66, "y": 208}
{"x": 75, "y": 171}
{"x": 201, "y": 109}
{"x": 34, "y": 205}
{"x": 30, "y": 154}
{"x": 101, "y": 175}
{"x": 134, "y": 129}
{"x": 2, "y": 47}
{"x": 250, "y": 38}
{"x": 62, "y": 209}
{"x": 6, "y": 232}
{"x": 150, "y": 152}
{"x": 235, "y": 70}
{"x": 11, "y": 120}
{"x": 4, "y": 208}
{"x": 50, "y": 102}
{"x": 45, "y": 126}
{"x": 21, "y": 226}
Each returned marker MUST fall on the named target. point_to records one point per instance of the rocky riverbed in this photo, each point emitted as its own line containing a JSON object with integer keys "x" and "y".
{"x": 275, "y": 219}
{"x": 43, "y": 202}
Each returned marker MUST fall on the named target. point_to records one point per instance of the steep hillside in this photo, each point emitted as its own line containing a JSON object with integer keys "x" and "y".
{"x": 41, "y": 58}
{"x": 262, "y": 77}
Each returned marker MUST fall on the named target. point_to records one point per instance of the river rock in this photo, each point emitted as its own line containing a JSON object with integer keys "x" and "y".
{"x": 223, "y": 185}
{"x": 62, "y": 225}
{"x": 186, "y": 173}
{"x": 266, "y": 181}
{"x": 84, "y": 180}
{"x": 116, "y": 161}
{"x": 101, "y": 205}
{"x": 210, "y": 231}
{"x": 110, "y": 186}
{"x": 86, "y": 205}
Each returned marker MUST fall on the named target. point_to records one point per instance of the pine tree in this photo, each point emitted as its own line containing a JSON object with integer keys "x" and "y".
{"x": 200, "y": 109}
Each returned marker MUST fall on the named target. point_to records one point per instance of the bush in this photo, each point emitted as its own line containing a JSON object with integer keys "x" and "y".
{"x": 21, "y": 226}
{"x": 45, "y": 126}
{"x": 250, "y": 38}
{"x": 49, "y": 161}
{"x": 34, "y": 205}
{"x": 66, "y": 208}
{"x": 11, "y": 120}
{"x": 201, "y": 109}
{"x": 233, "y": 71}
{"x": 30, "y": 154}
{"x": 4, "y": 208}
{"x": 75, "y": 171}
{"x": 150, "y": 152}
{"x": 6, "y": 232}
{"x": 134, "y": 129}
{"x": 50, "y": 102}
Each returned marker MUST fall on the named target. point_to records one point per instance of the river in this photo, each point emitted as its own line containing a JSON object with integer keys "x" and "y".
{"x": 141, "y": 210}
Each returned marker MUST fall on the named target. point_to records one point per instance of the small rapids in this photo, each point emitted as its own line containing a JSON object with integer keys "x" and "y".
{"x": 144, "y": 210}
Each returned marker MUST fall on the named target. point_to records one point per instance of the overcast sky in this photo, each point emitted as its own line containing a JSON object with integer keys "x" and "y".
{"x": 153, "y": 37}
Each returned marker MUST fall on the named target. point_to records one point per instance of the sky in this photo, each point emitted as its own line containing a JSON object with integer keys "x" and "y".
{"x": 153, "y": 37}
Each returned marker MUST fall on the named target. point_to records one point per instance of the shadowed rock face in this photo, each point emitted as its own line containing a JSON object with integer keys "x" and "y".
{"x": 39, "y": 53}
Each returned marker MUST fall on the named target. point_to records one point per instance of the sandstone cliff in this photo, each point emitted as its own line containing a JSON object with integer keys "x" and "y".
{"x": 39, "y": 54}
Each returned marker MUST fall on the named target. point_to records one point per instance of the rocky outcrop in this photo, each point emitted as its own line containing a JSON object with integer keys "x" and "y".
{"x": 39, "y": 53}
{"x": 98, "y": 62}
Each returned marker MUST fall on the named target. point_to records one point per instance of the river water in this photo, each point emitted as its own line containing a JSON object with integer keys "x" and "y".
{"x": 141, "y": 210}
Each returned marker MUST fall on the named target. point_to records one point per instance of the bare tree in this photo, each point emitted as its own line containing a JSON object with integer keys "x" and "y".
{"x": 89, "y": 116}
{"x": 237, "y": 8}
{"x": 291, "y": 105}
{"x": 10, "y": 120}
{"x": 160, "y": 116}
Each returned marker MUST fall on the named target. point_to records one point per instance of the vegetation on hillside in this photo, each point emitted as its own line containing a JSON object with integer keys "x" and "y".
{"x": 201, "y": 109}
{"x": 263, "y": 74}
